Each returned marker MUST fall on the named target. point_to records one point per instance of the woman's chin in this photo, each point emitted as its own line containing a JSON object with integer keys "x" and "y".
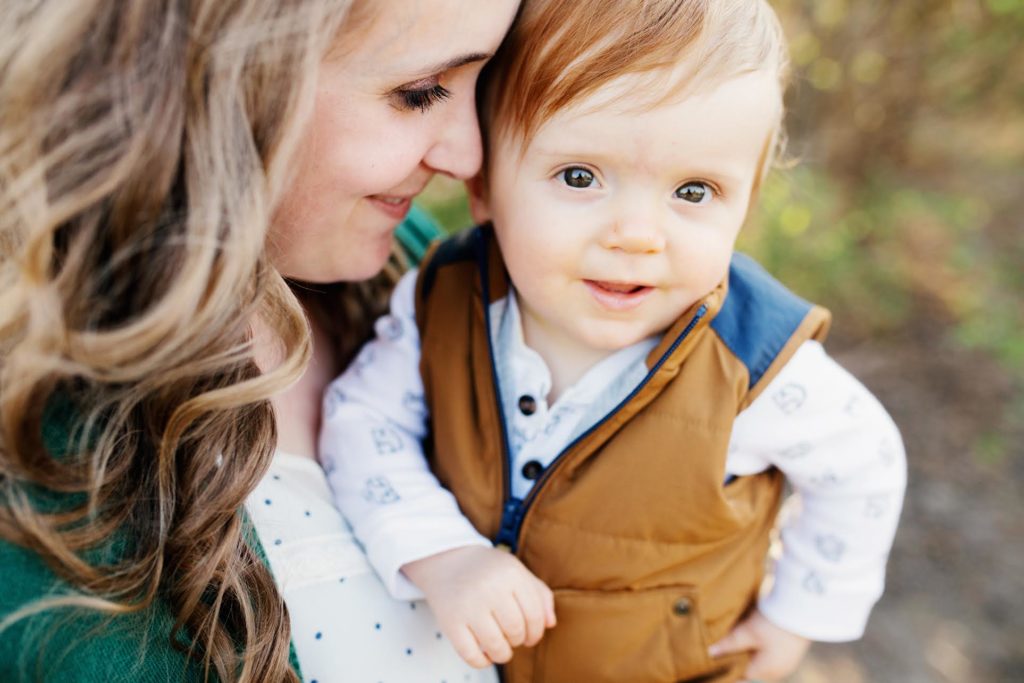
{"x": 350, "y": 271}
{"x": 351, "y": 254}
{"x": 370, "y": 264}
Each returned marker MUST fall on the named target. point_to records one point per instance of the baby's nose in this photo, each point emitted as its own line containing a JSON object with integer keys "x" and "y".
{"x": 636, "y": 235}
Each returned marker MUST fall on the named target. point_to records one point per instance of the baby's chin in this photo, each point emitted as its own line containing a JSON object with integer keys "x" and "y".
{"x": 612, "y": 340}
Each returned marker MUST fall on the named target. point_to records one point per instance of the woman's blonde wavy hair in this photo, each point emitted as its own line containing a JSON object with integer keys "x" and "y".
{"x": 143, "y": 145}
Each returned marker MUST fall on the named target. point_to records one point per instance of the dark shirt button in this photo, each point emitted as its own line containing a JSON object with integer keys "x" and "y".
{"x": 527, "y": 405}
{"x": 682, "y": 607}
{"x": 532, "y": 470}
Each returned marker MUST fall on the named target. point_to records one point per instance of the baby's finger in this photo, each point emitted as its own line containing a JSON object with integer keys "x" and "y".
{"x": 765, "y": 668}
{"x": 740, "y": 639}
{"x": 511, "y": 619}
{"x": 467, "y": 647}
{"x": 548, "y": 600}
{"x": 491, "y": 640}
{"x": 759, "y": 670}
{"x": 532, "y": 607}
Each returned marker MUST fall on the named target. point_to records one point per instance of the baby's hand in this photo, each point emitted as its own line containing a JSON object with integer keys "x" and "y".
{"x": 775, "y": 652}
{"x": 485, "y": 600}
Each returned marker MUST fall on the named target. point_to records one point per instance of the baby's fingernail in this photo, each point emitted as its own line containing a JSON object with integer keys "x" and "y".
{"x": 714, "y": 650}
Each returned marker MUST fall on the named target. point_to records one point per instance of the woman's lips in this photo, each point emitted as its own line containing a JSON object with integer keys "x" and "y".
{"x": 618, "y": 296}
{"x": 395, "y": 207}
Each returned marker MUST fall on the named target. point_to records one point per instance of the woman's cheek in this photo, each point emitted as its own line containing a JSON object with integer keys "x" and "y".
{"x": 383, "y": 163}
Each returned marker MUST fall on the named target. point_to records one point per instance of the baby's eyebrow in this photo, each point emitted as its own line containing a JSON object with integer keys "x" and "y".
{"x": 721, "y": 177}
{"x": 587, "y": 154}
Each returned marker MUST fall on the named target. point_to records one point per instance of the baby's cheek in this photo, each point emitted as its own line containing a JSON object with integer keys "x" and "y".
{"x": 715, "y": 267}
{"x": 532, "y": 271}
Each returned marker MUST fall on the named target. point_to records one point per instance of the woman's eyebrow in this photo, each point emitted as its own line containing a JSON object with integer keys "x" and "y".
{"x": 456, "y": 62}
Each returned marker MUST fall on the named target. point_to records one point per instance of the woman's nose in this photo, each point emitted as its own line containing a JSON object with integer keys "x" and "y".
{"x": 458, "y": 150}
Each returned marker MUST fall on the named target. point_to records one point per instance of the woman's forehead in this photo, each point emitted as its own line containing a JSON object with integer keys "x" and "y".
{"x": 414, "y": 36}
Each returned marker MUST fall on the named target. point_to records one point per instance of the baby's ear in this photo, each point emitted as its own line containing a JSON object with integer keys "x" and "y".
{"x": 479, "y": 208}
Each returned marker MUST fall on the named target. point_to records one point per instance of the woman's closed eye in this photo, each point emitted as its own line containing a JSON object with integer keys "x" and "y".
{"x": 696, "y": 192}
{"x": 421, "y": 98}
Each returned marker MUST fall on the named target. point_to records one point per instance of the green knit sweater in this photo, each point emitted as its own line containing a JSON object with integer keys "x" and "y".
{"x": 84, "y": 646}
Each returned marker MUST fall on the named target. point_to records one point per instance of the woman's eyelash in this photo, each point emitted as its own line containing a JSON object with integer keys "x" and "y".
{"x": 424, "y": 99}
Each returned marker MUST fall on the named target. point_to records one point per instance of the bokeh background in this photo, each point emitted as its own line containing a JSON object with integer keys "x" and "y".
{"x": 902, "y": 212}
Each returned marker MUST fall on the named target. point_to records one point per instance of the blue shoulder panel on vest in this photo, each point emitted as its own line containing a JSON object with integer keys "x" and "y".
{"x": 758, "y": 317}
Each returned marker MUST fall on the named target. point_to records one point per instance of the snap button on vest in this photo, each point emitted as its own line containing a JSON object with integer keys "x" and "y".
{"x": 532, "y": 470}
{"x": 682, "y": 607}
{"x": 527, "y": 405}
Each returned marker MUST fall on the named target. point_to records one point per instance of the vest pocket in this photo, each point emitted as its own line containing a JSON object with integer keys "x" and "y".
{"x": 643, "y": 636}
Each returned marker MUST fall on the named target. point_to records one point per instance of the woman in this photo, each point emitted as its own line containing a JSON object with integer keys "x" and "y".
{"x": 164, "y": 167}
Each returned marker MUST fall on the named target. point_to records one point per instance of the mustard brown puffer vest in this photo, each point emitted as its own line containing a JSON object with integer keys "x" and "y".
{"x": 650, "y": 555}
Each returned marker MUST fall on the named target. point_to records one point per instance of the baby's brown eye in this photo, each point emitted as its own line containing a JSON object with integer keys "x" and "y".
{"x": 578, "y": 177}
{"x": 695, "y": 192}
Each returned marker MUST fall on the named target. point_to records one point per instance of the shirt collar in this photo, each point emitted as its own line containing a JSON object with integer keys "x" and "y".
{"x": 521, "y": 369}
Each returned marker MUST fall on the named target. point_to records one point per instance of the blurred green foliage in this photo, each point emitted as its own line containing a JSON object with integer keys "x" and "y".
{"x": 902, "y": 211}
{"x": 446, "y": 200}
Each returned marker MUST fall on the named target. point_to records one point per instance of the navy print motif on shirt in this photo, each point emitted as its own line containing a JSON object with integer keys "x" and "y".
{"x": 335, "y": 397}
{"x": 790, "y": 398}
{"x": 854, "y": 406}
{"x": 830, "y": 547}
{"x": 887, "y": 452}
{"x": 553, "y": 422}
{"x": 386, "y": 440}
{"x": 520, "y": 438}
{"x": 796, "y": 451}
{"x": 390, "y": 328}
{"x": 827, "y": 478}
{"x": 414, "y": 403}
{"x": 364, "y": 359}
{"x": 876, "y": 506}
{"x": 327, "y": 461}
{"x": 813, "y": 584}
{"x": 379, "y": 490}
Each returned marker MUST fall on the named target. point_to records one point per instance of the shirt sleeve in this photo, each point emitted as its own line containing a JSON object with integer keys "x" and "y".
{"x": 374, "y": 420}
{"x": 843, "y": 456}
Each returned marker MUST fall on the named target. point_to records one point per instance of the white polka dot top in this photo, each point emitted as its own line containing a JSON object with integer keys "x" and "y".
{"x": 345, "y": 626}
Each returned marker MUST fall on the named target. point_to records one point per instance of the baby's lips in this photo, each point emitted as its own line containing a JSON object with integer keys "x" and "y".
{"x": 618, "y": 287}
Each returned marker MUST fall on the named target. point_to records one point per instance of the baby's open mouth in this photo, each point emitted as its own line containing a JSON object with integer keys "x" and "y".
{"x": 617, "y": 287}
{"x": 618, "y": 296}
